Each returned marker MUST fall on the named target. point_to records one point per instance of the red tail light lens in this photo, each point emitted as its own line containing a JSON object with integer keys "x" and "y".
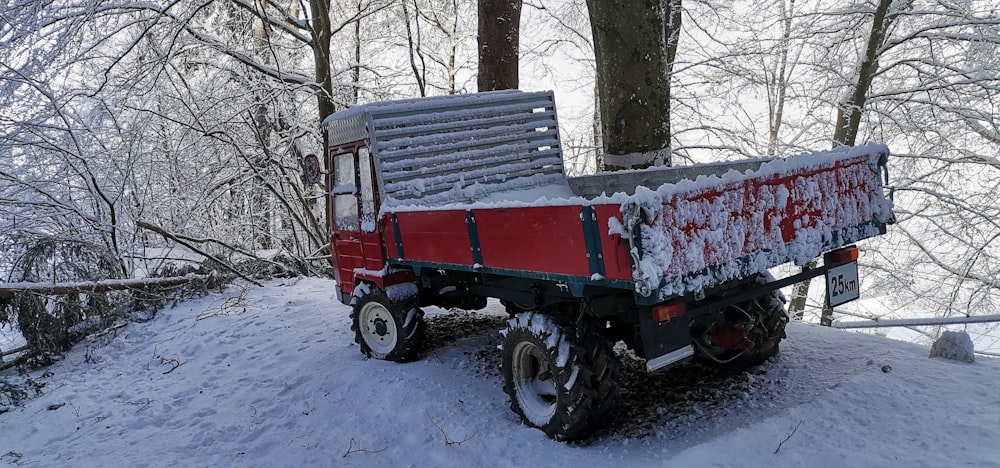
{"x": 842, "y": 256}
{"x": 667, "y": 310}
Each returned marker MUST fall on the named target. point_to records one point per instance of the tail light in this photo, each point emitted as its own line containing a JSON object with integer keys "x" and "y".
{"x": 842, "y": 256}
{"x": 667, "y": 310}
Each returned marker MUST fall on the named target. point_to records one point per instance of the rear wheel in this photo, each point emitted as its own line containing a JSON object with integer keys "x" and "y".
{"x": 392, "y": 330}
{"x": 749, "y": 335}
{"x": 564, "y": 385}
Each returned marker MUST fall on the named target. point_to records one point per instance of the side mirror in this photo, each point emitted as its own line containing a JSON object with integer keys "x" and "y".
{"x": 311, "y": 169}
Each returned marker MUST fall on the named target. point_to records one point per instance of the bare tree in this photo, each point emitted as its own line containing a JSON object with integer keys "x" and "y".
{"x": 849, "y": 111}
{"x": 556, "y": 42}
{"x": 440, "y": 45}
{"x": 175, "y": 109}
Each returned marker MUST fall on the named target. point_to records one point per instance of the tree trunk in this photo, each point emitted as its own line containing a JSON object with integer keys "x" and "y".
{"x": 413, "y": 43}
{"x": 849, "y": 111}
{"x": 845, "y": 132}
{"x": 321, "y": 34}
{"x": 499, "y": 34}
{"x": 634, "y": 43}
{"x": 778, "y": 83}
{"x": 356, "y": 67}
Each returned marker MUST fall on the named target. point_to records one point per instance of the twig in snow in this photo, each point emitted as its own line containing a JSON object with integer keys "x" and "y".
{"x": 788, "y": 437}
{"x": 174, "y": 362}
{"x": 141, "y": 403}
{"x": 232, "y": 302}
{"x": 448, "y": 440}
{"x": 351, "y": 449}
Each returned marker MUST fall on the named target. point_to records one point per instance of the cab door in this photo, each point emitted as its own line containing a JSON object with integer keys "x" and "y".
{"x": 372, "y": 243}
{"x": 355, "y": 235}
{"x": 345, "y": 235}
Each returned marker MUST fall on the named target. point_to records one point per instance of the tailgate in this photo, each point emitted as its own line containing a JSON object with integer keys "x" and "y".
{"x": 697, "y": 234}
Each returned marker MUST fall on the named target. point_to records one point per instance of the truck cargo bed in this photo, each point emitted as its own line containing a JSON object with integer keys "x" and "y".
{"x": 665, "y": 241}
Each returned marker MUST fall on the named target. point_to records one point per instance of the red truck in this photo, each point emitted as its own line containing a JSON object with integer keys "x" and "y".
{"x": 448, "y": 201}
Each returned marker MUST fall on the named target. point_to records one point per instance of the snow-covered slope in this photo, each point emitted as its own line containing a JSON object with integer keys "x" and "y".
{"x": 270, "y": 377}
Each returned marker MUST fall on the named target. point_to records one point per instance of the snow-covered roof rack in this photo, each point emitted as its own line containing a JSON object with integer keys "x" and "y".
{"x": 459, "y": 147}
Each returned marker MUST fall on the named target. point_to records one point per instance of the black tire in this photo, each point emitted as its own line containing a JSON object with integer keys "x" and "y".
{"x": 392, "y": 330}
{"x": 564, "y": 385}
{"x": 766, "y": 330}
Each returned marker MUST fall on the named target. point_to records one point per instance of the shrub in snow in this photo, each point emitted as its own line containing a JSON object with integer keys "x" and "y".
{"x": 954, "y": 345}
{"x": 51, "y": 324}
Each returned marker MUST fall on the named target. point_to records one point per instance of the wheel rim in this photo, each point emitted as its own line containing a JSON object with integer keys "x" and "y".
{"x": 378, "y": 328}
{"x": 534, "y": 385}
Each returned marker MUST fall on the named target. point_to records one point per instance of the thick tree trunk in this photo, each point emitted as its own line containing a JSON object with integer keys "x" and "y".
{"x": 321, "y": 34}
{"x": 634, "y": 44}
{"x": 499, "y": 34}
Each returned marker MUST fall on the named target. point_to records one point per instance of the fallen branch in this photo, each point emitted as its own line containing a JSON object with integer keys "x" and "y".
{"x": 448, "y": 440}
{"x": 183, "y": 240}
{"x": 175, "y": 363}
{"x": 351, "y": 449}
{"x": 788, "y": 437}
{"x": 113, "y": 329}
{"x": 7, "y": 290}
{"x": 230, "y": 303}
{"x": 13, "y": 351}
{"x": 16, "y": 362}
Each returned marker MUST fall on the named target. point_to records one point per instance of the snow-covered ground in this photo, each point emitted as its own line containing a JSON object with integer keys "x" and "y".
{"x": 270, "y": 377}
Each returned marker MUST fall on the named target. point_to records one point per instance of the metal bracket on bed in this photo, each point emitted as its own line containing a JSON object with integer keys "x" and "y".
{"x": 631, "y": 217}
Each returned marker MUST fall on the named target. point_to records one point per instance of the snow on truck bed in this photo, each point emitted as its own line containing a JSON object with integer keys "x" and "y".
{"x": 718, "y": 228}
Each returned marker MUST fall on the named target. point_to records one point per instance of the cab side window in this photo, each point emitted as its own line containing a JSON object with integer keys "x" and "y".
{"x": 345, "y": 200}
{"x": 368, "y": 214}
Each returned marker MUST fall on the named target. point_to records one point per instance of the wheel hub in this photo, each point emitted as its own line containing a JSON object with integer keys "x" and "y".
{"x": 381, "y": 329}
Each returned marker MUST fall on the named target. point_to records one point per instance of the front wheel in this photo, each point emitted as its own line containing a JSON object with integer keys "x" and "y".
{"x": 392, "y": 330}
{"x": 564, "y": 385}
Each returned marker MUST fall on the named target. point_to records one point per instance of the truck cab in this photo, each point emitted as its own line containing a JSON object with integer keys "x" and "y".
{"x": 355, "y": 233}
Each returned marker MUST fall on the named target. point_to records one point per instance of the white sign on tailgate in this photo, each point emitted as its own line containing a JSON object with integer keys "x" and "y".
{"x": 842, "y": 284}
